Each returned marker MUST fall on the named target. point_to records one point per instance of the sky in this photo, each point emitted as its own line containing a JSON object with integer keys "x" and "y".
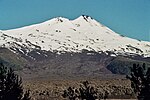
{"x": 127, "y": 17}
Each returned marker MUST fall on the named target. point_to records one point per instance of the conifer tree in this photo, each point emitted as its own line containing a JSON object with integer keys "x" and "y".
{"x": 11, "y": 85}
{"x": 140, "y": 81}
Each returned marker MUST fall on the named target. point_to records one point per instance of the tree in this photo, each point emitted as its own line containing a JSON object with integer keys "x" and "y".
{"x": 27, "y": 96}
{"x": 11, "y": 85}
{"x": 140, "y": 81}
{"x": 85, "y": 92}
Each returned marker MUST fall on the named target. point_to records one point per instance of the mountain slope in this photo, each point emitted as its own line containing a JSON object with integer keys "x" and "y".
{"x": 63, "y": 35}
{"x": 70, "y": 48}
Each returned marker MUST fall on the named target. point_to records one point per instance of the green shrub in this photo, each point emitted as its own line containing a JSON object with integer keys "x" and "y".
{"x": 85, "y": 92}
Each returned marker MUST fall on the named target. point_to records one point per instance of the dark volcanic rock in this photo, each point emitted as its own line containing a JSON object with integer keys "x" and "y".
{"x": 38, "y": 63}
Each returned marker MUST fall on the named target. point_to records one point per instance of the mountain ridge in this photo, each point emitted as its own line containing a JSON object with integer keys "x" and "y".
{"x": 63, "y": 48}
{"x": 64, "y": 35}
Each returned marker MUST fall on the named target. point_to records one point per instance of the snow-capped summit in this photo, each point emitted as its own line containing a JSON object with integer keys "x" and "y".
{"x": 62, "y": 34}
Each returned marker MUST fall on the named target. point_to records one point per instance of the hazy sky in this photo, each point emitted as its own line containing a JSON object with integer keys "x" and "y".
{"x": 127, "y": 17}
